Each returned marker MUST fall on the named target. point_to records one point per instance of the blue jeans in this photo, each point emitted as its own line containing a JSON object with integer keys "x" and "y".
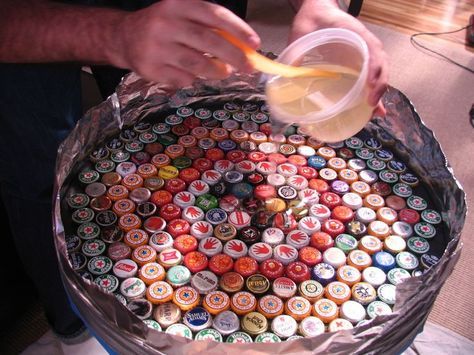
{"x": 39, "y": 106}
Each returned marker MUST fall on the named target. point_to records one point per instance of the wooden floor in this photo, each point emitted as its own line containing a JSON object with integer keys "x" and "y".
{"x": 411, "y": 16}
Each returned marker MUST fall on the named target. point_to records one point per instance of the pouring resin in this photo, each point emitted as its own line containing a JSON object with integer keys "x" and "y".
{"x": 330, "y": 109}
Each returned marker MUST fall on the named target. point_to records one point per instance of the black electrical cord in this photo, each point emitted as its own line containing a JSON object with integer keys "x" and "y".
{"x": 418, "y": 44}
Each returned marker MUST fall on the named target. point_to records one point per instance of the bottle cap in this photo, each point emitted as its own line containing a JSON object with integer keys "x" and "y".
{"x": 178, "y": 275}
{"x": 321, "y": 241}
{"x": 394, "y": 244}
{"x": 298, "y": 239}
{"x": 402, "y": 229}
{"x": 201, "y": 230}
{"x": 352, "y": 311}
{"x": 285, "y": 253}
{"x": 254, "y": 323}
{"x": 298, "y": 272}
{"x": 209, "y": 334}
{"x": 260, "y": 251}
{"x": 364, "y": 293}
{"x": 319, "y": 211}
{"x": 383, "y": 261}
{"x": 339, "y": 324}
{"x": 167, "y": 314}
{"x": 323, "y": 273}
{"x": 141, "y": 308}
{"x": 428, "y": 261}
{"x": 118, "y": 251}
{"x": 284, "y": 287}
{"x": 221, "y": 263}
{"x": 333, "y": 227}
{"x": 374, "y": 276}
{"x": 195, "y": 261}
{"x": 144, "y": 254}
{"x": 239, "y": 337}
{"x": 186, "y": 297}
{"x": 359, "y": 259}
{"x": 284, "y": 326}
{"x": 243, "y": 302}
{"x": 270, "y": 306}
{"x": 125, "y": 268}
{"x": 370, "y": 244}
{"x": 216, "y": 302}
{"x": 417, "y": 245}
{"x": 397, "y": 275}
{"x": 151, "y": 272}
{"x": 180, "y": 330}
{"x": 246, "y": 266}
{"x": 226, "y": 322}
{"x": 325, "y": 309}
{"x": 235, "y": 248}
{"x": 346, "y": 243}
{"x": 132, "y": 288}
{"x": 99, "y": 265}
{"x": 298, "y": 308}
{"x": 310, "y": 256}
{"x": 239, "y": 219}
{"x": 424, "y": 230}
{"x": 108, "y": 283}
{"x": 431, "y": 216}
{"x": 378, "y": 229}
{"x": 185, "y": 243}
{"x": 93, "y": 247}
{"x": 378, "y": 308}
{"x": 407, "y": 260}
{"x": 204, "y": 282}
{"x": 338, "y": 292}
{"x": 334, "y": 257}
{"x": 386, "y": 293}
{"x": 210, "y": 246}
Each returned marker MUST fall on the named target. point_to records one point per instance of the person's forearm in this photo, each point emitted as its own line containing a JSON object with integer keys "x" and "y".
{"x": 38, "y": 31}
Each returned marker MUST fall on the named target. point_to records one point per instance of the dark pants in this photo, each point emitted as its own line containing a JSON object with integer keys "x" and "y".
{"x": 39, "y": 105}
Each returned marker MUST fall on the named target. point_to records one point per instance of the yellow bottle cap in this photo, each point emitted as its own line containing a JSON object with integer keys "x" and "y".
{"x": 275, "y": 205}
{"x": 325, "y": 309}
{"x": 168, "y": 172}
{"x": 348, "y": 274}
{"x": 186, "y": 297}
{"x": 270, "y": 306}
{"x": 364, "y": 293}
{"x": 338, "y": 292}
{"x": 387, "y": 215}
{"x": 359, "y": 259}
{"x": 348, "y": 176}
{"x": 370, "y": 244}
{"x": 143, "y": 255}
{"x": 151, "y": 272}
{"x": 298, "y": 307}
{"x": 159, "y": 292}
{"x": 216, "y": 302}
{"x": 374, "y": 201}
{"x": 254, "y": 323}
{"x": 243, "y": 302}
{"x": 378, "y": 229}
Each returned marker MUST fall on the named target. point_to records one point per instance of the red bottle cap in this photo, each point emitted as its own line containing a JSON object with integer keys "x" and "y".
{"x": 257, "y": 157}
{"x": 175, "y": 185}
{"x": 161, "y": 197}
{"x": 194, "y": 152}
{"x": 297, "y": 160}
{"x": 220, "y": 264}
{"x": 330, "y": 199}
{"x": 170, "y": 212}
{"x": 264, "y": 192}
{"x": 342, "y": 213}
{"x": 321, "y": 241}
{"x": 185, "y": 244}
{"x": 195, "y": 261}
{"x": 178, "y": 227}
{"x": 236, "y": 156}
{"x": 154, "y": 148}
{"x": 266, "y": 128}
{"x": 285, "y": 222}
{"x": 188, "y": 175}
{"x": 308, "y": 172}
{"x": 246, "y": 266}
{"x": 298, "y": 272}
{"x": 192, "y": 122}
{"x": 409, "y": 216}
{"x": 277, "y": 158}
{"x": 319, "y": 185}
{"x": 333, "y": 227}
{"x": 202, "y": 164}
{"x": 396, "y": 202}
{"x": 272, "y": 269}
{"x": 310, "y": 255}
{"x": 215, "y": 154}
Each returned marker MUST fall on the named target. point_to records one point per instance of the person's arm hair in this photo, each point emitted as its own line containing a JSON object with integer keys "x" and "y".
{"x": 45, "y": 31}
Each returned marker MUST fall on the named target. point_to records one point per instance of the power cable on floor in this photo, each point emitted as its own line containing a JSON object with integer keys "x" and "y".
{"x": 418, "y": 44}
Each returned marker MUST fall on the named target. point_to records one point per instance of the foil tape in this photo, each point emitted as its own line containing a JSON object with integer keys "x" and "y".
{"x": 402, "y": 130}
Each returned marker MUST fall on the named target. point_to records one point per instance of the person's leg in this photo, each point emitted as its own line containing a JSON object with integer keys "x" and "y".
{"x": 39, "y": 105}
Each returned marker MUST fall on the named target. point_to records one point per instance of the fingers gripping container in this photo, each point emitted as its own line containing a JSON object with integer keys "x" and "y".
{"x": 123, "y": 332}
{"x": 329, "y": 109}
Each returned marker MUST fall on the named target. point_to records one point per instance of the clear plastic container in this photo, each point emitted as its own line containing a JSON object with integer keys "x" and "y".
{"x": 329, "y": 109}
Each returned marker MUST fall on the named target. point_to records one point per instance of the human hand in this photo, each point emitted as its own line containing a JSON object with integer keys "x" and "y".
{"x": 173, "y": 42}
{"x": 318, "y": 14}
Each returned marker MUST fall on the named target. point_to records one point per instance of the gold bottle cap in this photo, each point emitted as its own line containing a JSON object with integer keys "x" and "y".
{"x": 254, "y": 323}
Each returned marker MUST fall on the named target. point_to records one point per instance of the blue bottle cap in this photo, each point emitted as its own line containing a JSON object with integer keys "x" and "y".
{"x": 316, "y": 162}
{"x": 242, "y": 190}
{"x": 197, "y": 319}
{"x": 216, "y": 216}
{"x": 227, "y": 145}
{"x": 384, "y": 261}
{"x": 323, "y": 273}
